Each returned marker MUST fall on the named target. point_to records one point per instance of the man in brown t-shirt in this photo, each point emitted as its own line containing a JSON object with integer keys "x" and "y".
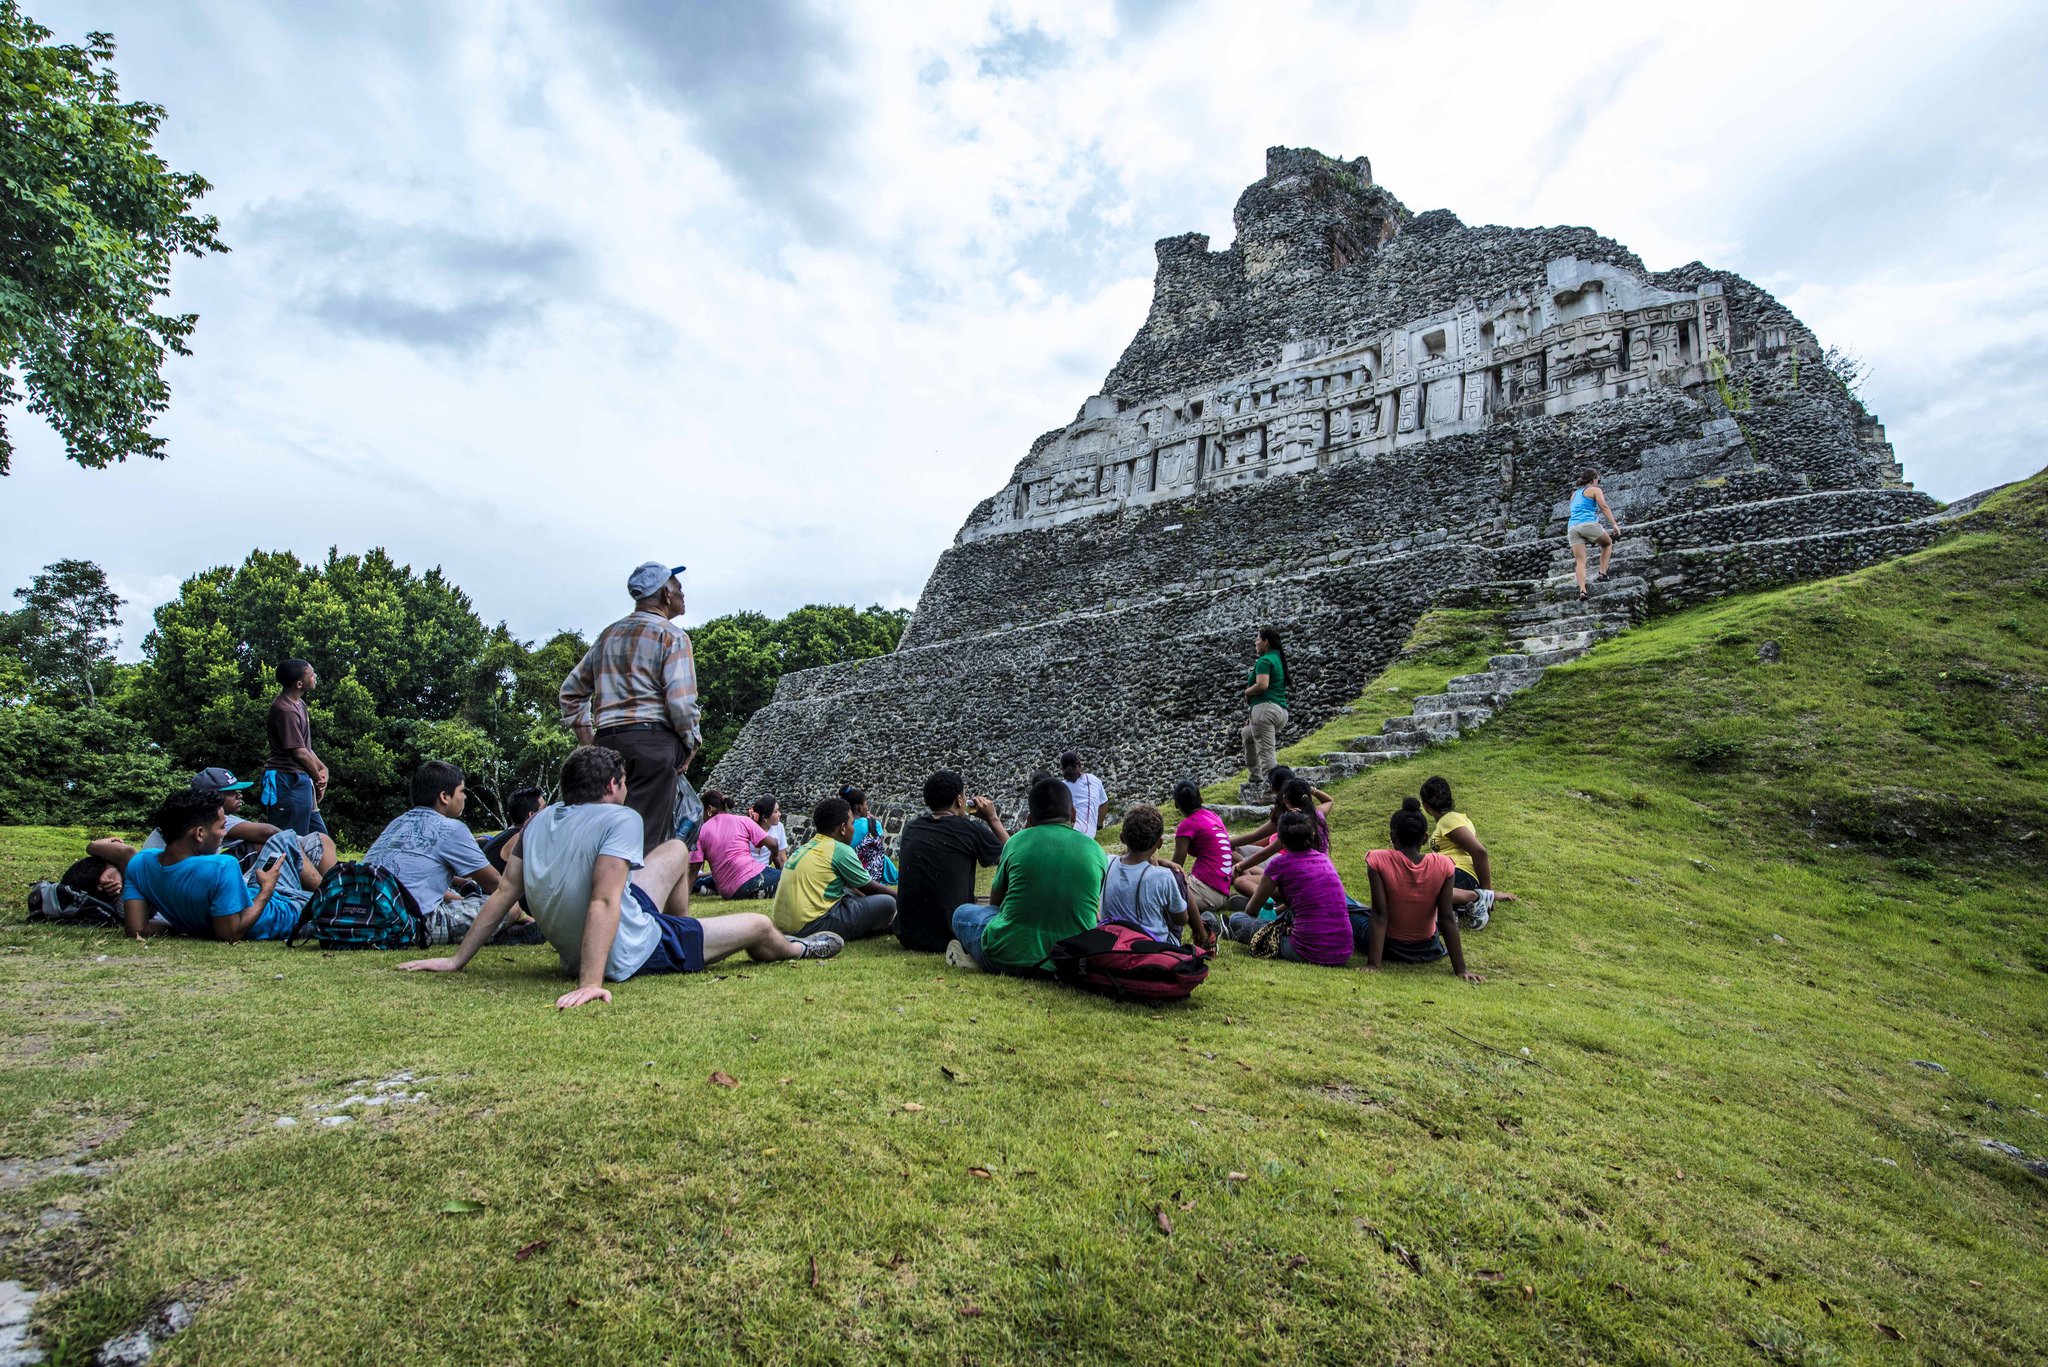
{"x": 294, "y": 779}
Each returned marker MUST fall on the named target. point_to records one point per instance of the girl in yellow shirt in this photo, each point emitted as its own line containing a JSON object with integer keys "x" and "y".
{"x": 1472, "y": 891}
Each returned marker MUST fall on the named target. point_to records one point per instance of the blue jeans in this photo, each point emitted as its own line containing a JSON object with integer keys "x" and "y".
{"x": 969, "y": 922}
{"x": 291, "y": 802}
{"x": 288, "y": 899}
{"x": 762, "y": 884}
{"x": 1399, "y": 951}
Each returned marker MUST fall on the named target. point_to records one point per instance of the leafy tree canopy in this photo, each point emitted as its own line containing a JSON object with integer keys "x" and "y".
{"x": 60, "y": 633}
{"x": 407, "y": 673}
{"x": 90, "y": 220}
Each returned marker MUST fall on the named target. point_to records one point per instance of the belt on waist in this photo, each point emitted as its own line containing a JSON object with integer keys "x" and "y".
{"x": 634, "y": 726}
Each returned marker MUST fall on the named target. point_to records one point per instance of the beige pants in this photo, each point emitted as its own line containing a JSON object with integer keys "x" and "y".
{"x": 1205, "y": 897}
{"x": 1262, "y": 738}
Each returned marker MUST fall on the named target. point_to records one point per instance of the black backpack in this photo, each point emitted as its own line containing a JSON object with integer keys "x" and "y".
{"x": 68, "y": 906}
{"x": 361, "y": 906}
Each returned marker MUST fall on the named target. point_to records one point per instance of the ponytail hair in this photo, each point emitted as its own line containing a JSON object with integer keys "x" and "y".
{"x": 1409, "y": 827}
{"x": 853, "y": 797}
{"x": 1271, "y": 636}
{"x": 1187, "y": 797}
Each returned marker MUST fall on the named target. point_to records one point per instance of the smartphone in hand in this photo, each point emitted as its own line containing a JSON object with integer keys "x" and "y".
{"x": 272, "y": 862}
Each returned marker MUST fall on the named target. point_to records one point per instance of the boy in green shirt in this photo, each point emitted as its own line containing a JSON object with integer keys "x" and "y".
{"x": 1048, "y": 886}
{"x": 825, "y": 886}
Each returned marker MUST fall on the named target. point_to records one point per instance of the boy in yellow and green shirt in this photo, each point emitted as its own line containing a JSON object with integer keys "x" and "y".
{"x": 825, "y": 886}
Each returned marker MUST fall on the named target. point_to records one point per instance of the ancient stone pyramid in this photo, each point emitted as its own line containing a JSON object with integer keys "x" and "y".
{"x": 1351, "y": 413}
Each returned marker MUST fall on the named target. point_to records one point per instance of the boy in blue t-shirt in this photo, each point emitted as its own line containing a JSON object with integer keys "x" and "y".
{"x": 202, "y": 892}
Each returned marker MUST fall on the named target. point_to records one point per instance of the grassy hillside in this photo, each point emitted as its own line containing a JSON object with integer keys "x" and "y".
{"x": 1757, "y": 898}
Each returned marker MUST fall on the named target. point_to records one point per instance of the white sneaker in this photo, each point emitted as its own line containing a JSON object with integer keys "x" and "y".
{"x": 1479, "y": 913}
{"x": 823, "y": 945}
{"x": 958, "y": 957}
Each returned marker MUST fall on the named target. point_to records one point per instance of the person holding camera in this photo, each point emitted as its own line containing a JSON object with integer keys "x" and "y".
{"x": 936, "y": 858}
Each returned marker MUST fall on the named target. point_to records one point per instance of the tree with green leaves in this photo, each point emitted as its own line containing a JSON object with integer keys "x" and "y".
{"x": 407, "y": 673}
{"x": 61, "y": 631}
{"x": 90, "y": 221}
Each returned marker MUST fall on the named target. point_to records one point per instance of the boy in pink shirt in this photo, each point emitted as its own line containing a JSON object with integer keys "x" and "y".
{"x": 727, "y": 843}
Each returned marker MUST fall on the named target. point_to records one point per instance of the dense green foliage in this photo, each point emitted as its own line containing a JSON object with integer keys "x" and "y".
{"x": 76, "y": 766}
{"x": 1681, "y": 1121}
{"x": 408, "y": 672}
{"x": 63, "y": 759}
{"x": 90, "y": 220}
{"x": 740, "y": 657}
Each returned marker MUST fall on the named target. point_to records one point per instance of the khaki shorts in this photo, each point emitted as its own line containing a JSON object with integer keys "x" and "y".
{"x": 1585, "y": 533}
{"x": 1205, "y": 897}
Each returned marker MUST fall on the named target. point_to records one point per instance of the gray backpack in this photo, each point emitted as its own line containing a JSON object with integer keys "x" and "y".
{"x": 68, "y": 906}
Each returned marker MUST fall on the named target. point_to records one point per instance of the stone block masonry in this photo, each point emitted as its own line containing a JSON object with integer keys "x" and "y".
{"x": 1352, "y": 413}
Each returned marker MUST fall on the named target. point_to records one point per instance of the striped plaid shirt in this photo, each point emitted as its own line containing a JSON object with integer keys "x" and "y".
{"x": 639, "y": 668}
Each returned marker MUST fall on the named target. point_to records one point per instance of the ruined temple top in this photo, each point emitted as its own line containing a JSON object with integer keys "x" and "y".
{"x": 1340, "y": 324}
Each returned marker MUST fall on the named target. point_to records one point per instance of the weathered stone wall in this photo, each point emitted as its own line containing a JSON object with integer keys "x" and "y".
{"x": 1271, "y": 449}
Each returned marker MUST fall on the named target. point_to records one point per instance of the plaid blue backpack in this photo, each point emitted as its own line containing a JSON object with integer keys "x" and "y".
{"x": 361, "y": 906}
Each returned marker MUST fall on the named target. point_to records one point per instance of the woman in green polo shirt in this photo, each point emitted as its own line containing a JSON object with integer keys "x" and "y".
{"x": 1266, "y": 692}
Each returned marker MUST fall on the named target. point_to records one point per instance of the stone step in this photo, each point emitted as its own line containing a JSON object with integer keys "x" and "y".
{"x": 1430, "y": 723}
{"x": 1499, "y": 682}
{"x": 1355, "y": 762}
{"x": 1569, "y": 615}
{"x": 1243, "y": 816}
{"x": 1559, "y": 640}
{"x": 1616, "y": 584}
{"x": 1536, "y": 659}
{"x": 1633, "y": 548}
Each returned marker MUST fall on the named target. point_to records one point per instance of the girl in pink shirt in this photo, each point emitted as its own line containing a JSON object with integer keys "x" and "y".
{"x": 1201, "y": 833}
{"x": 1412, "y": 917}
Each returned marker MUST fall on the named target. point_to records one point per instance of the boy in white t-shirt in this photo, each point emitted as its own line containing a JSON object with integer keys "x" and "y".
{"x": 1089, "y": 794}
{"x": 602, "y": 906}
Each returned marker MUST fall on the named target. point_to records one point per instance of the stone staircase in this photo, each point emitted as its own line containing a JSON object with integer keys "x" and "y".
{"x": 1547, "y": 626}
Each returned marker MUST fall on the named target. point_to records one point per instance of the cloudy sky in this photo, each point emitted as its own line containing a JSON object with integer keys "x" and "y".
{"x": 535, "y": 290}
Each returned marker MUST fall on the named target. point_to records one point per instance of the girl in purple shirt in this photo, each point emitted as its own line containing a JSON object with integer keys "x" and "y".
{"x": 1309, "y": 883}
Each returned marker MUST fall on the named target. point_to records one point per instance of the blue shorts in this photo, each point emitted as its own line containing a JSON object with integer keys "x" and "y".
{"x": 682, "y": 940}
{"x": 1464, "y": 881}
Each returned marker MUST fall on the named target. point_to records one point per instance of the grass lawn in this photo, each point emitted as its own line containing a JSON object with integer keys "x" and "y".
{"x": 1681, "y": 1121}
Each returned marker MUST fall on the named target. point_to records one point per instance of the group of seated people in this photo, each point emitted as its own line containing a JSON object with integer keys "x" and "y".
{"x": 575, "y": 874}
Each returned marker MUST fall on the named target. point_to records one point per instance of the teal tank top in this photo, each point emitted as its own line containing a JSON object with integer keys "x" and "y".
{"x": 1584, "y": 509}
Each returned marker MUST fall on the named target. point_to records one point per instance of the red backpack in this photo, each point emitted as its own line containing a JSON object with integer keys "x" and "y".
{"x": 1118, "y": 959}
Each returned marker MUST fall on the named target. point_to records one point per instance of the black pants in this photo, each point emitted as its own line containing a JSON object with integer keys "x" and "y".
{"x": 651, "y": 755}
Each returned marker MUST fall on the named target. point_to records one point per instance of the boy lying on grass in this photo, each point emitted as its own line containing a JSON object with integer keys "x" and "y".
{"x": 1302, "y": 876}
{"x": 1412, "y": 917}
{"x": 579, "y": 867}
{"x": 1472, "y": 893}
{"x": 190, "y": 886}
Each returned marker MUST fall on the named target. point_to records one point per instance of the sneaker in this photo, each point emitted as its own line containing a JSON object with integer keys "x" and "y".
{"x": 823, "y": 945}
{"x": 958, "y": 957}
{"x": 1238, "y": 903}
{"x": 1479, "y": 913}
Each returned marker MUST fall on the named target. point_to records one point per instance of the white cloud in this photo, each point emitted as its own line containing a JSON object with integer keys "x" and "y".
{"x": 535, "y": 291}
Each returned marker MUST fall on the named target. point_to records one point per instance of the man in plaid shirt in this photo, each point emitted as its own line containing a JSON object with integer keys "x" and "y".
{"x": 635, "y": 691}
